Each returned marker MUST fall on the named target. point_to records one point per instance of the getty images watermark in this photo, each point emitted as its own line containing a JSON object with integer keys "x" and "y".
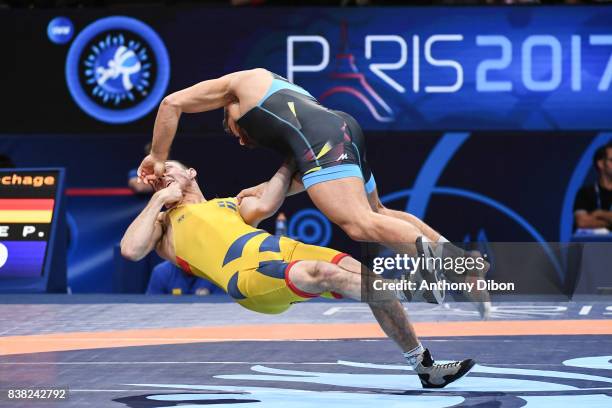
{"x": 431, "y": 271}
{"x": 457, "y": 273}
{"x": 477, "y": 271}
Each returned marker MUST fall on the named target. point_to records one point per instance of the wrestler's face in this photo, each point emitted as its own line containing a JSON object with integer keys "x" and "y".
{"x": 176, "y": 173}
{"x": 230, "y": 113}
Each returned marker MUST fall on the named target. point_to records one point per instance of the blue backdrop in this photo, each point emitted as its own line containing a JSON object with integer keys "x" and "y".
{"x": 493, "y": 113}
{"x": 479, "y": 186}
{"x": 468, "y": 68}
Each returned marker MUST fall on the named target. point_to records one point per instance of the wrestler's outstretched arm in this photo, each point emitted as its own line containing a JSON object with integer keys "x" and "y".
{"x": 201, "y": 97}
{"x": 266, "y": 198}
{"x": 275, "y": 197}
{"x": 146, "y": 230}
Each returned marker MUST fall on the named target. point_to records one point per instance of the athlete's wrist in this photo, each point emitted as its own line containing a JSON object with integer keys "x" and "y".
{"x": 159, "y": 198}
{"x": 159, "y": 155}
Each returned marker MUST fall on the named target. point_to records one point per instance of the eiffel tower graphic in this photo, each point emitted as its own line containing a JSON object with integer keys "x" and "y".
{"x": 349, "y": 80}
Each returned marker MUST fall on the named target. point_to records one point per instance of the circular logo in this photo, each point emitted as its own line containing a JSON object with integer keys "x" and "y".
{"x": 3, "y": 254}
{"x": 310, "y": 227}
{"x": 60, "y": 30}
{"x": 117, "y": 69}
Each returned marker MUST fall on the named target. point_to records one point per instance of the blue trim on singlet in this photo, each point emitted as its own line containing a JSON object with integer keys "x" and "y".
{"x": 332, "y": 173}
{"x": 371, "y": 184}
{"x": 278, "y": 84}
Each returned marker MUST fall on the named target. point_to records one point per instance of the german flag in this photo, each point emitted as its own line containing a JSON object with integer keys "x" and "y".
{"x": 26, "y": 210}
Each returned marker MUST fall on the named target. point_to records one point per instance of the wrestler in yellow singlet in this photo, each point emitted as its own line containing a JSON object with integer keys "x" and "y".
{"x": 211, "y": 240}
{"x": 215, "y": 239}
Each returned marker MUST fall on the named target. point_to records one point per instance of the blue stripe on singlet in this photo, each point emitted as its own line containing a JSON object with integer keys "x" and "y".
{"x": 278, "y": 84}
{"x": 331, "y": 173}
{"x": 371, "y": 184}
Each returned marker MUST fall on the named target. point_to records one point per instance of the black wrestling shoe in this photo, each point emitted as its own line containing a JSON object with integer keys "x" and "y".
{"x": 434, "y": 375}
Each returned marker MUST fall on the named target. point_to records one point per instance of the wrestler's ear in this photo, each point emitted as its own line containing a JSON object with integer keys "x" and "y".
{"x": 192, "y": 173}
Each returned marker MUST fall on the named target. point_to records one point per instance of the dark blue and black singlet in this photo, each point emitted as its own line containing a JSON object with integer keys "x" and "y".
{"x": 326, "y": 144}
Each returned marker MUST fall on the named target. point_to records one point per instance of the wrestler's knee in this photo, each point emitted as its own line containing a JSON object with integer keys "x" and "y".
{"x": 379, "y": 208}
{"x": 361, "y": 227}
{"x": 323, "y": 275}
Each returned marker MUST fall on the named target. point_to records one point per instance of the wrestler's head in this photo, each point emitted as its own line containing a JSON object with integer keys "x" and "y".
{"x": 179, "y": 174}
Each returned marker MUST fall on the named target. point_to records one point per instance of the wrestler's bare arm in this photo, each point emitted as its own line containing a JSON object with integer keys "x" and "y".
{"x": 296, "y": 186}
{"x": 275, "y": 197}
{"x": 257, "y": 207}
{"x": 201, "y": 97}
{"x": 242, "y": 86}
{"x": 146, "y": 230}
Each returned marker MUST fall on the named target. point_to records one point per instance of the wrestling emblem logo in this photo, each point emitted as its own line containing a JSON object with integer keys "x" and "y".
{"x": 117, "y": 69}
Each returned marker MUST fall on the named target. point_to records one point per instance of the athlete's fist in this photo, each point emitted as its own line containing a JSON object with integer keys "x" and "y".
{"x": 151, "y": 169}
{"x": 256, "y": 192}
{"x": 170, "y": 195}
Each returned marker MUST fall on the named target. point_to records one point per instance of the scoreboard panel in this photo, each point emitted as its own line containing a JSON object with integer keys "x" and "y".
{"x": 28, "y": 219}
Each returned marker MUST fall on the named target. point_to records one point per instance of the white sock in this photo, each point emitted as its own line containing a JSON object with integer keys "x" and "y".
{"x": 442, "y": 240}
{"x": 412, "y": 356}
